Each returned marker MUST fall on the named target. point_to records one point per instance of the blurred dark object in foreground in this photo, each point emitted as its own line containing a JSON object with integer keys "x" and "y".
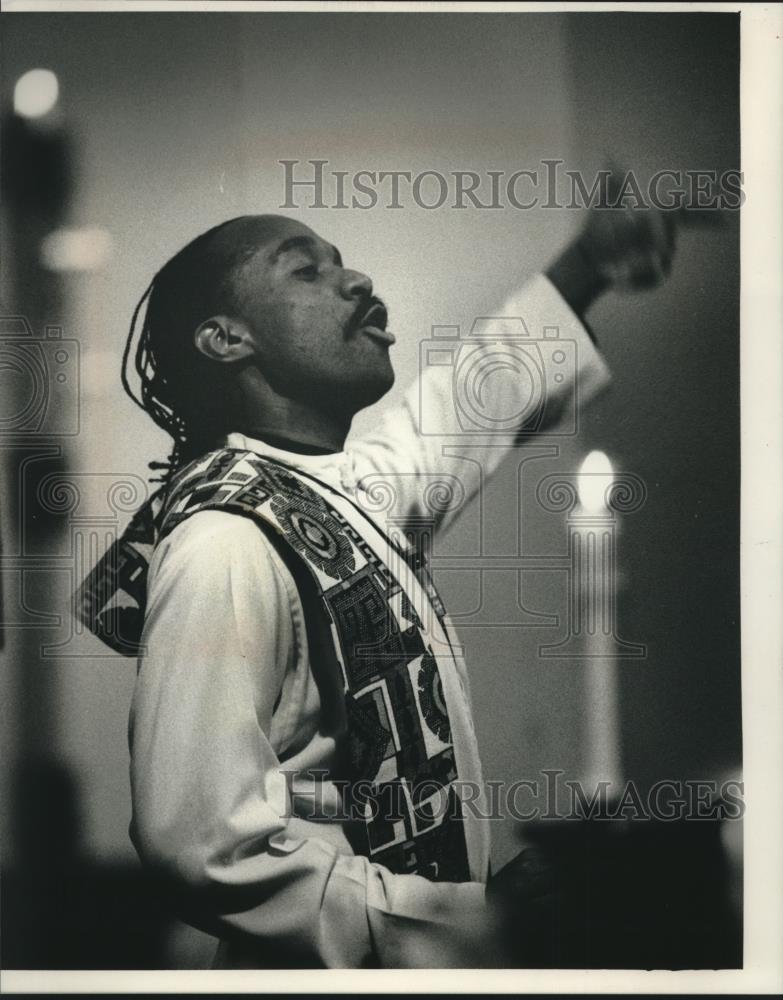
{"x": 644, "y": 894}
{"x": 635, "y": 895}
{"x": 89, "y": 916}
{"x": 60, "y": 909}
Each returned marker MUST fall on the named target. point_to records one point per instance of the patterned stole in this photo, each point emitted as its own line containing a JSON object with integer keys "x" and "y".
{"x": 400, "y": 769}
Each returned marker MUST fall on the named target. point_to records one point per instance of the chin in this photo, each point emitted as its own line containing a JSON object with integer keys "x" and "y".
{"x": 372, "y": 388}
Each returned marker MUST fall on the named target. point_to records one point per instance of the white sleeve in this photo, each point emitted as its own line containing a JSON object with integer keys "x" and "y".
{"x": 414, "y": 452}
{"x": 211, "y": 808}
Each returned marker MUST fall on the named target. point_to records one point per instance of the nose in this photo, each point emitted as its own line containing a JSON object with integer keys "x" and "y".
{"x": 355, "y": 285}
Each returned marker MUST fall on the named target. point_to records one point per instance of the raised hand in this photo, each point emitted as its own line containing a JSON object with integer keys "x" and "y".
{"x": 627, "y": 249}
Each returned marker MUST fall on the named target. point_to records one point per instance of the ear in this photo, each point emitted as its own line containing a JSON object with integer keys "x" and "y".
{"x": 224, "y": 339}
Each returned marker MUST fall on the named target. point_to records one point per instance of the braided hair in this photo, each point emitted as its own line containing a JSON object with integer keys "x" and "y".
{"x": 183, "y": 391}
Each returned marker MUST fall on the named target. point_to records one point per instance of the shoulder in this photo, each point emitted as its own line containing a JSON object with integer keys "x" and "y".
{"x": 213, "y": 530}
{"x": 217, "y": 548}
{"x": 218, "y": 563}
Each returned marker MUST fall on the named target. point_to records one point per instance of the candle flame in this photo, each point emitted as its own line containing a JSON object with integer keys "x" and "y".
{"x": 595, "y": 477}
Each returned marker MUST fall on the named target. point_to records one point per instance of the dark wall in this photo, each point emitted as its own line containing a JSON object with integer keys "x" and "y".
{"x": 655, "y": 92}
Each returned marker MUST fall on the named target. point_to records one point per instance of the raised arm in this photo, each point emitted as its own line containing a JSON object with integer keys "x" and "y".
{"x": 529, "y": 369}
{"x": 523, "y": 371}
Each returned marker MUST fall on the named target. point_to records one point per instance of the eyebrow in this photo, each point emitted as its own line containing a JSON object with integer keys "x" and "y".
{"x": 306, "y": 243}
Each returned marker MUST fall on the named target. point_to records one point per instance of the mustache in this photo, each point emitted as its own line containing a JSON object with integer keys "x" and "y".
{"x": 371, "y": 310}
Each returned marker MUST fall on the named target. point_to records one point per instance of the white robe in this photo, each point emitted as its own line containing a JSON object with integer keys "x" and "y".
{"x": 226, "y": 707}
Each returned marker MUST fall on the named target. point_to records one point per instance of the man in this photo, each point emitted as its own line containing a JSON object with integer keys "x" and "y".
{"x": 304, "y": 768}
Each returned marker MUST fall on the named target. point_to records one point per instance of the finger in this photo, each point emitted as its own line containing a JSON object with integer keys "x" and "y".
{"x": 661, "y": 233}
{"x": 614, "y": 182}
{"x": 641, "y": 280}
{"x": 644, "y": 272}
{"x": 669, "y": 220}
{"x": 631, "y": 232}
{"x": 617, "y": 273}
{"x": 701, "y": 218}
{"x": 660, "y": 262}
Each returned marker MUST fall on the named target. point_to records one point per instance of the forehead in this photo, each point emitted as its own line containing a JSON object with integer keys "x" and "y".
{"x": 261, "y": 236}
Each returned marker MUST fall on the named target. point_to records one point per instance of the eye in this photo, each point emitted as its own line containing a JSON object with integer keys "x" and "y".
{"x": 308, "y": 272}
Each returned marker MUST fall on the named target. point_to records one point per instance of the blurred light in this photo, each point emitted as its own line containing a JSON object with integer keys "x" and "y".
{"x": 36, "y": 93}
{"x": 594, "y": 479}
{"x": 76, "y": 249}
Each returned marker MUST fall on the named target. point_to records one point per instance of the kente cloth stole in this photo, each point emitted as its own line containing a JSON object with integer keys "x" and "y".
{"x": 400, "y": 763}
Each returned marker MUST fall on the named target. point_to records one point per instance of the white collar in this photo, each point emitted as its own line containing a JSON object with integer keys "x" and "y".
{"x": 336, "y": 468}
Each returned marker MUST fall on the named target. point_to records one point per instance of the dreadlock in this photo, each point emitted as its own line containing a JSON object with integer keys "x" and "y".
{"x": 179, "y": 387}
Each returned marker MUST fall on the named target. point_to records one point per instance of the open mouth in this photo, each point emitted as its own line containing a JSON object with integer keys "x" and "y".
{"x": 373, "y": 322}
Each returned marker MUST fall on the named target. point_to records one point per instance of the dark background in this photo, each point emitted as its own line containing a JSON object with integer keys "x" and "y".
{"x": 169, "y": 123}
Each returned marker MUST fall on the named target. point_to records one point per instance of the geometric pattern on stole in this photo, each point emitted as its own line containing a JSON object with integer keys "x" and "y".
{"x": 400, "y": 757}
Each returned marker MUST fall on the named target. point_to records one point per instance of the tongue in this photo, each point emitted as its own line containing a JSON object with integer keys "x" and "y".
{"x": 375, "y": 331}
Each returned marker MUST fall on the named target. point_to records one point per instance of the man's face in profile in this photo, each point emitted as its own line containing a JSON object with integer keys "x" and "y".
{"x": 316, "y": 327}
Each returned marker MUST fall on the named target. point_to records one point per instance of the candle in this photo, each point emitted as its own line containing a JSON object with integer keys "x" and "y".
{"x": 593, "y": 538}
{"x": 593, "y": 502}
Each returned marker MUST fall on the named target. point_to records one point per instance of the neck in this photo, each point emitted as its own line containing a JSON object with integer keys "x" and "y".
{"x": 287, "y": 443}
{"x": 290, "y": 424}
